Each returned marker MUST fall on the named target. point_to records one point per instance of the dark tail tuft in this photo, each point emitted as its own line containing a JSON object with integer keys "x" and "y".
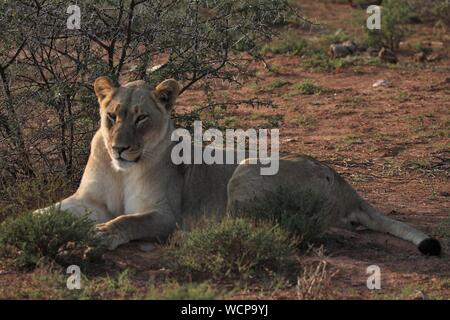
{"x": 430, "y": 247}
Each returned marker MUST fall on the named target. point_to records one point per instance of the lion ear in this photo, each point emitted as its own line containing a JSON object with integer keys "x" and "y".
{"x": 103, "y": 86}
{"x": 167, "y": 92}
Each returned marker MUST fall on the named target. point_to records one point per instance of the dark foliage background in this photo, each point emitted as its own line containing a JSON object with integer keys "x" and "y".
{"x": 48, "y": 112}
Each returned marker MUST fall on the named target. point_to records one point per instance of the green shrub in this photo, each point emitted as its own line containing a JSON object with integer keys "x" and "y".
{"x": 277, "y": 83}
{"x": 395, "y": 15}
{"x": 233, "y": 248}
{"x": 322, "y": 62}
{"x": 304, "y": 213}
{"x": 198, "y": 40}
{"x": 176, "y": 291}
{"x": 317, "y": 57}
{"x": 313, "y": 51}
{"x": 295, "y": 43}
{"x": 440, "y": 9}
{"x": 434, "y": 11}
{"x": 327, "y": 39}
{"x": 288, "y": 42}
{"x": 57, "y": 235}
{"x": 307, "y": 87}
{"x": 273, "y": 121}
{"x": 306, "y": 120}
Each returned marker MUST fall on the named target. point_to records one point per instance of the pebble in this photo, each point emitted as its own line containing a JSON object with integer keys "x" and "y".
{"x": 381, "y": 83}
{"x": 146, "y": 247}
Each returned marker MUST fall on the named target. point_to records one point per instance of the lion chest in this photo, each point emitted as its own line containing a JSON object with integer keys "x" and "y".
{"x": 139, "y": 195}
{"x": 134, "y": 198}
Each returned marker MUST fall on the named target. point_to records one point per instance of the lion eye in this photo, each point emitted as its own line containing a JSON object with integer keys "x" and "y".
{"x": 112, "y": 117}
{"x": 141, "y": 118}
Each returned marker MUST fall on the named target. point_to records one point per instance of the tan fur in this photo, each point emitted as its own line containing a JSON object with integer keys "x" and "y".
{"x": 143, "y": 195}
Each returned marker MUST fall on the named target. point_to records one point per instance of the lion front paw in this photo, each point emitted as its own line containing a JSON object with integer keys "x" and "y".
{"x": 42, "y": 211}
{"x": 109, "y": 236}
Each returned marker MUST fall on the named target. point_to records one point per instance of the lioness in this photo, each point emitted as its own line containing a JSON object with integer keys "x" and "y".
{"x": 132, "y": 189}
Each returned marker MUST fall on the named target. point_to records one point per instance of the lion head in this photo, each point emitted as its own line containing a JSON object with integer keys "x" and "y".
{"x": 135, "y": 118}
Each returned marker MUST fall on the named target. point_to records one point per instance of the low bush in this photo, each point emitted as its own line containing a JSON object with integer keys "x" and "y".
{"x": 233, "y": 248}
{"x": 395, "y": 15}
{"x": 56, "y": 235}
{"x": 176, "y": 291}
{"x": 307, "y": 87}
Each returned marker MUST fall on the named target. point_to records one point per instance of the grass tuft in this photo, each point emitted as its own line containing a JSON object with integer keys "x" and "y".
{"x": 307, "y": 87}
{"x": 289, "y": 42}
{"x": 176, "y": 291}
{"x": 277, "y": 83}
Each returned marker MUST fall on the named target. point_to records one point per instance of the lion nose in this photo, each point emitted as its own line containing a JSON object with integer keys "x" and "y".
{"x": 120, "y": 149}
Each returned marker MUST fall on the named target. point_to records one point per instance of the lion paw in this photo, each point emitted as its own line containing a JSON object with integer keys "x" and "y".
{"x": 110, "y": 237}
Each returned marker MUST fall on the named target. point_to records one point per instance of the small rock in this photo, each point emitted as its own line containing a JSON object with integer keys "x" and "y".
{"x": 343, "y": 49}
{"x": 387, "y": 56}
{"x": 146, "y": 246}
{"x": 381, "y": 83}
{"x": 339, "y": 51}
{"x": 353, "y": 47}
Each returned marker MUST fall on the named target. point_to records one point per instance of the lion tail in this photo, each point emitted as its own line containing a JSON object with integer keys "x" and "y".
{"x": 371, "y": 218}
